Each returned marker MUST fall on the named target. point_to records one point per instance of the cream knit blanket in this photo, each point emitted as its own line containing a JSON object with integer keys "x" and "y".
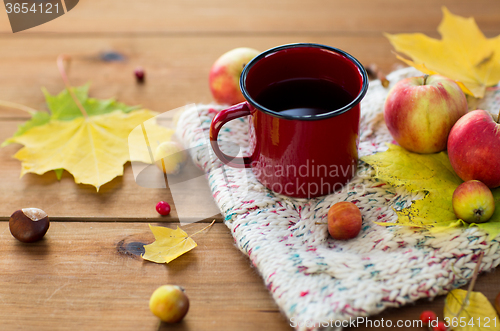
{"x": 318, "y": 281}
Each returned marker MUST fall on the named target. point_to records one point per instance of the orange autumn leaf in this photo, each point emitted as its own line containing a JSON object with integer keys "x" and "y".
{"x": 463, "y": 54}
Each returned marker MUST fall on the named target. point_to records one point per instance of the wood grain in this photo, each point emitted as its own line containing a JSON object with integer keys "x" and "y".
{"x": 87, "y": 276}
{"x": 176, "y": 67}
{"x": 261, "y": 16}
{"x": 177, "y": 70}
{"x": 120, "y": 200}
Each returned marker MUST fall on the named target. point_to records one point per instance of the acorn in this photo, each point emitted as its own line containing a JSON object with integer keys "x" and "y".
{"x": 29, "y": 224}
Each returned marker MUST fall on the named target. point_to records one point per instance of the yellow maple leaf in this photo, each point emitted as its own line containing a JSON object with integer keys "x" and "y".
{"x": 93, "y": 149}
{"x": 430, "y": 173}
{"x": 463, "y": 54}
{"x": 477, "y": 314}
{"x": 169, "y": 244}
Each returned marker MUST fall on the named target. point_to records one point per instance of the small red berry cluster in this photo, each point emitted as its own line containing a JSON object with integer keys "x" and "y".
{"x": 428, "y": 317}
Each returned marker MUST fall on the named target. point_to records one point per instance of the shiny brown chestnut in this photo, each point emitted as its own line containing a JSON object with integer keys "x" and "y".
{"x": 29, "y": 224}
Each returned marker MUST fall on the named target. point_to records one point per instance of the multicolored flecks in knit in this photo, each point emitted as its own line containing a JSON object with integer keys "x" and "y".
{"x": 313, "y": 278}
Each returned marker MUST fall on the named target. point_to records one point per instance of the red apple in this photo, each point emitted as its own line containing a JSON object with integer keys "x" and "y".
{"x": 420, "y": 112}
{"x": 473, "y": 202}
{"x": 225, "y": 74}
{"x": 344, "y": 220}
{"x": 473, "y": 148}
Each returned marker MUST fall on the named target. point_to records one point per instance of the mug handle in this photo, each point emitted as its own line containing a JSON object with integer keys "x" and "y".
{"x": 224, "y": 116}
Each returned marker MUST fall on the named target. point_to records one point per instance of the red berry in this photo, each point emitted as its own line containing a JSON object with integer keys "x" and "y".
{"x": 440, "y": 327}
{"x": 163, "y": 208}
{"x": 139, "y": 74}
{"x": 427, "y": 316}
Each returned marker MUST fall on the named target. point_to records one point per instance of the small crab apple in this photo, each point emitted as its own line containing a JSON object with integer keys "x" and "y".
{"x": 473, "y": 202}
{"x": 344, "y": 220}
{"x": 169, "y": 303}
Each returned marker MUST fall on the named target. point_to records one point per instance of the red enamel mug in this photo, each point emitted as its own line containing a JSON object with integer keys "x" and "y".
{"x": 303, "y": 155}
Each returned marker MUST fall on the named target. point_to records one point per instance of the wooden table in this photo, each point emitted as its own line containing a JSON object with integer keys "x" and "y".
{"x": 86, "y": 274}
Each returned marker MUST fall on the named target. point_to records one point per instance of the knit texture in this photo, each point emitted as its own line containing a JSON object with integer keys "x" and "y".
{"x": 313, "y": 278}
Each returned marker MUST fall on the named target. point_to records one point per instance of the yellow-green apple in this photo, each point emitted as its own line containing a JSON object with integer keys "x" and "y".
{"x": 225, "y": 74}
{"x": 344, "y": 220}
{"x": 420, "y": 112}
{"x": 474, "y": 148}
{"x": 169, "y": 303}
{"x": 473, "y": 202}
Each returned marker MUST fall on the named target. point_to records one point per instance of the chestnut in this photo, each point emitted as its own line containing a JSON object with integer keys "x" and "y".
{"x": 29, "y": 224}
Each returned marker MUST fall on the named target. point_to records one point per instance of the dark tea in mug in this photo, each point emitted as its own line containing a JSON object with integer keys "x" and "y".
{"x": 303, "y": 106}
{"x": 304, "y": 96}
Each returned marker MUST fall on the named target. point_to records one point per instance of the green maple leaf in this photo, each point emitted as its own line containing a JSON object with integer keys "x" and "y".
{"x": 434, "y": 175}
{"x": 63, "y": 107}
{"x": 37, "y": 118}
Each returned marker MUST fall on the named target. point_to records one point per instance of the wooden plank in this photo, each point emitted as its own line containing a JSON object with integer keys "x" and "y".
{"x": 176, "y": 67}
{"x": 122, "y": 199}
{"x": 85, "y": 276}
{"x": 224, "y": 16}
{"x": 177, "y": 70}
